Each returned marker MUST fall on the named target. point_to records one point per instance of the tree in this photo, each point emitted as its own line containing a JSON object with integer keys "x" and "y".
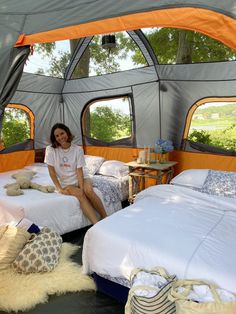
{"x": 171, "y": 45}
{"x": 16, "y": 127}
{"x": 95, "y": 57}
{"x": 201, "y": 136}
{"x": 108, "y": 125}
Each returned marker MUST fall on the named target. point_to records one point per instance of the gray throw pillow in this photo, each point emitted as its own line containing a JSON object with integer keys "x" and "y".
{"x": 41, "y": 254}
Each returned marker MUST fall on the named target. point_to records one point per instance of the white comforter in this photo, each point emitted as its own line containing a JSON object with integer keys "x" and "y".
{"x": 60, "y": 212}
{"x": 191, "y": 234}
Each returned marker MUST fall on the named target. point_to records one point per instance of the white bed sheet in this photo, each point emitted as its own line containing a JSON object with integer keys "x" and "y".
{"x": 60, "y": 212}
{"x": 191, "y": 234}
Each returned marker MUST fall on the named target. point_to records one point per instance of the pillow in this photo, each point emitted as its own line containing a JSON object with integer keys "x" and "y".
{"x": 113, "y": 168}
{"x": 41, "y": 254}
{"x": 12, "y": 241}
{"x": 93, "y": 163}
{"x": 220, "y": 183}
{"x": 192, "y": 178}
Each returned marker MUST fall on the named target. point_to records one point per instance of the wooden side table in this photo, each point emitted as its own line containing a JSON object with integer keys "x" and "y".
{"x": 139, "y": 172}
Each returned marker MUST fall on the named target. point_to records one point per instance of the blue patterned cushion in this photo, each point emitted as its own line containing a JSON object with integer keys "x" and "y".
{"x": 220, "y": 183}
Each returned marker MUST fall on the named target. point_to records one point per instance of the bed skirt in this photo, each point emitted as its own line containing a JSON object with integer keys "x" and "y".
{"x": 111, "y": 288}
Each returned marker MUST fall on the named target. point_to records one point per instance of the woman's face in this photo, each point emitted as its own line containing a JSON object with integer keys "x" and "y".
{"x": 61, "y": 137}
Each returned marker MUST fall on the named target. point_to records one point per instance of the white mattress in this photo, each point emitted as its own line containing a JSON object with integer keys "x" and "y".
{"x": 57, "y": 211}
{"x": 189, "y": 233}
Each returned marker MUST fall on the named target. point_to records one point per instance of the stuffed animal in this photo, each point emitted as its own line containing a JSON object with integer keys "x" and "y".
{"x": 23, "y": 181}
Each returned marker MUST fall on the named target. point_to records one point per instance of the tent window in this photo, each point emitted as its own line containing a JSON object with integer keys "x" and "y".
{"x": 16, "y": 127}
{"x": 173, "y": 46}
{"x": 97, "y": 60}
{"x": 108, "y": 121}
{"x": 213, "y": 124}
{"x": 50, "y": 59}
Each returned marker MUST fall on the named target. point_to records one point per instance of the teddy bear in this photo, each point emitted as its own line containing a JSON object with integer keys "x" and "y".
{"x": 23, "y": 181}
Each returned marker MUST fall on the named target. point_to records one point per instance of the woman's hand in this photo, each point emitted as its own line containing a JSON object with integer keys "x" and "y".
{"x": 64, "y": 191}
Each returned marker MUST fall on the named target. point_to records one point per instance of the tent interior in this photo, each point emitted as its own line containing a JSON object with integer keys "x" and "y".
{"x": 159, "y": 86}
{"x": 124, "y": 74}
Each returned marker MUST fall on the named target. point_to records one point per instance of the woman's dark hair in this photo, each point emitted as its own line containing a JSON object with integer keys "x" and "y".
{"x": 62, "y": 126}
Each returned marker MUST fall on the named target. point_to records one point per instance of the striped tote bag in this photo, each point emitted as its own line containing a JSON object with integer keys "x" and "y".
{"x": 150, "y": 299}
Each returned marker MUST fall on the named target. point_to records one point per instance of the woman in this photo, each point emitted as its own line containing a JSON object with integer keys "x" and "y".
{"x": 65, "y": 162}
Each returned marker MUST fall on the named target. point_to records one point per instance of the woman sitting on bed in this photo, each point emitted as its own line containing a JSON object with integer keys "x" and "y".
{"x": 65, "y": 162}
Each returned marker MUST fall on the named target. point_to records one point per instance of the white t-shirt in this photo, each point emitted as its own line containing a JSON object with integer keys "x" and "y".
{"x": 65, "y": 162}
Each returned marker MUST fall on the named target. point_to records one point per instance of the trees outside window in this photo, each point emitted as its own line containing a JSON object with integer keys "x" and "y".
{"x": 214, "y": 124}
{"x": 174, "y": 45}
{"x": 16, "y": 127}
{"x": 97, "y": 60}
{"x": 108, "y": 120}
{"x": 170, "y": 45}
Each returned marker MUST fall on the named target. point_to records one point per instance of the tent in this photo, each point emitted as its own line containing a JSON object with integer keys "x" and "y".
{"x": 162, "y": 95}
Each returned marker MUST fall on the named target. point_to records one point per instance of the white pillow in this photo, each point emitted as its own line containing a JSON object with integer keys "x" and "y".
{"x": 93, "y": 163}
{"x": 114, "y": 168}
{"x": 192, "y": 178}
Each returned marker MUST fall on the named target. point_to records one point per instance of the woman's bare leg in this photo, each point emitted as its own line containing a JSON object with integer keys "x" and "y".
{"x": 85, "y": 205}
{"x": 93, "y": 198}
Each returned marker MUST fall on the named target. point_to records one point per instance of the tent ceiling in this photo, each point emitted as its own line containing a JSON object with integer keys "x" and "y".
{"x": 215, "y": 21}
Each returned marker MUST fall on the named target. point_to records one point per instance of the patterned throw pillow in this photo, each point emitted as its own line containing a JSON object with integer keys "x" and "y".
{"x": 41, "y": 254}
{"x": 93, "y": 163}
{"x": 220, "y": 183}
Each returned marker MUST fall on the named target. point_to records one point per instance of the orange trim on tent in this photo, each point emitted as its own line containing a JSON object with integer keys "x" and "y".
{"x": 210, "y": 23}
{"x": 16, "y": 160}
{"x": 113, "y": 153}
{"x": 29, "y": 112}
{"x": 200, "y": 103}
{"x": 186, "y": 160}
{"x": 195, "y": 160}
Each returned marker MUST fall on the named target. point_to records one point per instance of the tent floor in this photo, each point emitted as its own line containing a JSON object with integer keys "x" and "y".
{"x": 82, "y": 302}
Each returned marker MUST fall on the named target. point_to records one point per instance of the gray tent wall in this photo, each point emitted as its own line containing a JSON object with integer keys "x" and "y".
{"x": 183, "y": 86}
{"x": 187, "y": 84}
{"x": 42, "y": 95}
{"x": 138, "y": 83}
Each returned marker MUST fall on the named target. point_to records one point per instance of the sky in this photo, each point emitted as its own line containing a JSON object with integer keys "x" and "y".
{"x": 36, "y": 61}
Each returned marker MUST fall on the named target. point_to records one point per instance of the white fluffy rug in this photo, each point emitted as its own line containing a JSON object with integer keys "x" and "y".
{"x": 20, "y": 292}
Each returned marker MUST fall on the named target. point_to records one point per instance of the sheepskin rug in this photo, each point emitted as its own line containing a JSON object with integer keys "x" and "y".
{"x": 20, "y": 292}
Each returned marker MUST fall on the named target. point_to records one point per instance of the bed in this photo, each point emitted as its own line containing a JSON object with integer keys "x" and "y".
{"x": 187, "y": 227}
{"x": 60, "y": 212}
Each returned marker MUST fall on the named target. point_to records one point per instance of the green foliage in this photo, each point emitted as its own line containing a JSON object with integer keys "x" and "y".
{"x": 172, "y": 45}
{"x": 102, "y": 61}
{"x": 225, "y": 112}
{"x": 16, "y": 127}
{"x": 45, "y": 49}
{"x": 109, "y": 125}
{"x": 201, "y": 136}
{"x": 222, "y": 131}
{"x": 223, "y": 138}
{"x": 58, "y": 64}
